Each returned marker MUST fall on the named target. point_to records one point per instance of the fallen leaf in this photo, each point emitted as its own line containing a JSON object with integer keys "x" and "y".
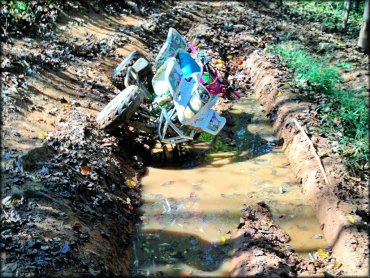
{"x": 219, "y": 63}
{"x": 43, "y": 136}
{"x": 350, "y": 218}
{"x": 130, "y": 183}
{"x": 322, "y": 253}
{"x": 335, "y": 265}
{"x": 76, "y": 226}
{"x": 279, "y": 94}
{"x": 354, "y": 179}
{"x": 85, "y": 170}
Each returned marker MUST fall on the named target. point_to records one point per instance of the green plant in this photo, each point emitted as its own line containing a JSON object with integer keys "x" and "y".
{"x": 205, "y": 137}
{"x": 344, "y": 65}
{"x": 18, "y": 16}
{"x": 344, "y": 115}
{"x": 218, "y": 144}
{"x": 330, "y": 13}
{"x": 307, "y": 67}
{"x": 18, "y": 7}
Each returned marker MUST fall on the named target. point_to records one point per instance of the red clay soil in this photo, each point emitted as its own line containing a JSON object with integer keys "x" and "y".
{"x": 288, "y": 112}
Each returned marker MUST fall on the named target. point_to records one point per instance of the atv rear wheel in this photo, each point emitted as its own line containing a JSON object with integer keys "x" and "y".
{"x": 120, "y": 109}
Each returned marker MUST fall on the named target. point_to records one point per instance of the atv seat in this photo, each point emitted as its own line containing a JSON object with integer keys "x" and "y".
{"x": 187, "y": 64}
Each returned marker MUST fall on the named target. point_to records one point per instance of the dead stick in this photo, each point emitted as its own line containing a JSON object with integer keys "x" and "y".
{"x": 313, "y": 150}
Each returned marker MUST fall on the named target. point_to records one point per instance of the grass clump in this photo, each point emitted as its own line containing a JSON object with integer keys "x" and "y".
{"x": 217, "y": 143}
{"x": 344, "y": 115}
{"x": 205, "y": 137}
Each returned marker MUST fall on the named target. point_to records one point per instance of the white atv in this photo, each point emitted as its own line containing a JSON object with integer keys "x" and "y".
{"x": 176, "y": 103}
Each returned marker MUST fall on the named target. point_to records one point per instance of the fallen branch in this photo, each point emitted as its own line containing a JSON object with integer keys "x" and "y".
{"x": 313, "y": 150}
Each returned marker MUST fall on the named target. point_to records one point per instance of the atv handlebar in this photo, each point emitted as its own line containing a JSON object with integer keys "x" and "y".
{"x": 216, "y": 86}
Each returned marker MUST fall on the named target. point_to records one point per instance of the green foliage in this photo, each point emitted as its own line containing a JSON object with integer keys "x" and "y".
{"x": 308, "y": 68}
{"x": 218, "y": 144}
{"x": 330, "y": 13}
{"x": 27, "y": 16}
{"x": 19, "y": 10}
{"x": 205, "y": 137}
{"x": 18, "y": 7}
{"x": 344, "y": 114}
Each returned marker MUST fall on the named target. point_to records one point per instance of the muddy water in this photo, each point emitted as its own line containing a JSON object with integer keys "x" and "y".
{"x": 188, "y": 215}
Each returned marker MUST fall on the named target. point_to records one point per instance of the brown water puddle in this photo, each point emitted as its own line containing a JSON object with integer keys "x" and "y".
{"x": 188, "y": 215}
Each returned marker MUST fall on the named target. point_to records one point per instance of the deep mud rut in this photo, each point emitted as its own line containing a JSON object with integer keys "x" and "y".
{"x": 189, "y": 216}
{"x": 87, "y": 204}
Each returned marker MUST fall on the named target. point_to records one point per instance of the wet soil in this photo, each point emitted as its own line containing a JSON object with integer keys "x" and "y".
{"x": 190, "y": 215}
{"x": 69, "y": 208}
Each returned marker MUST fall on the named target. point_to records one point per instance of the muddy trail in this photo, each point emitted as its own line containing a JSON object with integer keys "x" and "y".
{"x": 190, "y": 212}
{"x": 79, "y": 201}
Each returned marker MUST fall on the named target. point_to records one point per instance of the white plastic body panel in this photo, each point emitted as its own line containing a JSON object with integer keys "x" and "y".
{"x": 174, "y": 42}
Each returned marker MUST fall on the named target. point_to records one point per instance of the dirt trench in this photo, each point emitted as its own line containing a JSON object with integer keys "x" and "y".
{"x": 73, "y": 201}
{"x": 319, "y": 176}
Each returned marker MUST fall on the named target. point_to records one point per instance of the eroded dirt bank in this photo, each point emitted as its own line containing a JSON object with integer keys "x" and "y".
{"x": 70, "y": 210}
{"x": 69, "y": 204}
{"x": 321, "y": 178}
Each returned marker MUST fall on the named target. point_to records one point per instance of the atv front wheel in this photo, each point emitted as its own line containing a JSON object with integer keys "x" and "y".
{"x": 120, "y": 109}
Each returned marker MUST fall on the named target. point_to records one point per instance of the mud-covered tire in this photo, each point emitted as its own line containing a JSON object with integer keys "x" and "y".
{"x": 120, "y": 109}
